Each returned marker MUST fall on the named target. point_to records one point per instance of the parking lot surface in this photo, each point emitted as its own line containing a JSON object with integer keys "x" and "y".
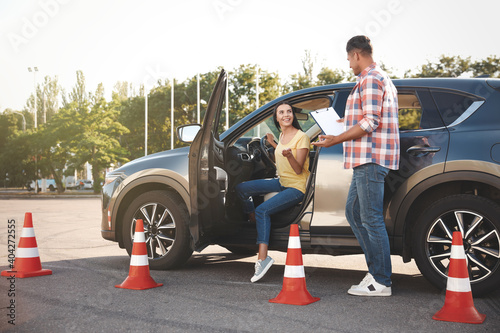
{"x": 211, "y": 293}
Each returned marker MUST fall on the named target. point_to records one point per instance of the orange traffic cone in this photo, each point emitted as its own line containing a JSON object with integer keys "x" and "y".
{"x": 138, "y": 276}
{"x": 294, "y": 289}
{"x": 27, "y": 262}
{"x": 458, "y": 304}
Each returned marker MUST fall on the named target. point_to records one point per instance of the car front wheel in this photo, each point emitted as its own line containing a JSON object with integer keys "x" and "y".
{"x": 478, "y": 219}
{"x": 166, "y": 229}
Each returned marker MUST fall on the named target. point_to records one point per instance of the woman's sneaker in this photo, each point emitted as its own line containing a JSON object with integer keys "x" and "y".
{"x": 370, "y": 288}
{"x": 261, "y": 268}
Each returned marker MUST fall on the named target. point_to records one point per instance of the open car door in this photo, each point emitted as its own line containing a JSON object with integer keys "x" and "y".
{"x": 207, "y": 179}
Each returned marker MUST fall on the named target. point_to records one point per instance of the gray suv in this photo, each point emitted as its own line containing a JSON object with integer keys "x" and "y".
{"x": 448, "y": 180}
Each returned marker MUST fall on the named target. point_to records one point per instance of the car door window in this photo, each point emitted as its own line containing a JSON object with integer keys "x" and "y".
{"x": 452, "y": 105}
{"x": 417, "y": 110}
{"x": 303, "y": 106}
{"x": 410, "y": 111}
{"x": 262, "y": 128}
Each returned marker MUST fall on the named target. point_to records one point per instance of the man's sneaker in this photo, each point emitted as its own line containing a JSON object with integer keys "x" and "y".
{"x": 367, "y": 278}
{"x": 261, "y": 268}
{"x": 370, "y": 288}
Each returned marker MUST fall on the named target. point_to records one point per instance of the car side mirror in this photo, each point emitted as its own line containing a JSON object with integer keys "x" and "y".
{"x": 187, "y": 133}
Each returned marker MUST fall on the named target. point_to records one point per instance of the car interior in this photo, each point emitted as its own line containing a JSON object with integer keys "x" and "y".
{"x": 252, "y": 157}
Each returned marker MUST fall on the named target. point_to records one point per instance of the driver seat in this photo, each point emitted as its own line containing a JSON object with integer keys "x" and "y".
{"x": 312, "y": 160}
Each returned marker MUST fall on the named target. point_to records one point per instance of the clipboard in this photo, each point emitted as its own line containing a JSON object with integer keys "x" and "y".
{"x": 327, "y": 120}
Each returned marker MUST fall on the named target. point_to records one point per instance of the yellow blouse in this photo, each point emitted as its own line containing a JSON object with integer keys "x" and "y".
{"x": 287, "y": 176}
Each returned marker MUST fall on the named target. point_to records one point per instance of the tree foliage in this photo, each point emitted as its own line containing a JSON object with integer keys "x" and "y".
{"x": 455, "y": 66}
{"x": 85, "y": 127}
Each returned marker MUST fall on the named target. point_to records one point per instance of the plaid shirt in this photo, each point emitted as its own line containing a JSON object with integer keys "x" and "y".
{"x": 373, "y": 104}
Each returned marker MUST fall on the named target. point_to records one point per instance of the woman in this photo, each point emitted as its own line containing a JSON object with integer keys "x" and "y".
{"x": 292, "y": 164}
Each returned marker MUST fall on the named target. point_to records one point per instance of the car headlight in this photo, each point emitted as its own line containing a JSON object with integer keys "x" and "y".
{"x": 111, "y": 178}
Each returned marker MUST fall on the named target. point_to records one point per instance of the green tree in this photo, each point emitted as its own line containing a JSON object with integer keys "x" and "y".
{"x": 489, "y": 66}
{"x": 330, "y": 76}
{"x": 120, "y": 91}
{"x": 11, "y": 150}
{"x": 445, "y": 67}
{"x": 9, "y": 126}
{"x": 305, "y": 79}
{"x": 455, "y": 66}
{"x": 51, "y": 148}
{"x": 95, "y": 137}
{"x": 17, "y": 160}
{"x": 131, "y": 115}
{"x": 47, "y": 99}
{"x": 159, "y": 113}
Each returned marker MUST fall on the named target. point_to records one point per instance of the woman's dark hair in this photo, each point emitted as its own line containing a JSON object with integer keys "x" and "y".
{"x": 295, "y": 122}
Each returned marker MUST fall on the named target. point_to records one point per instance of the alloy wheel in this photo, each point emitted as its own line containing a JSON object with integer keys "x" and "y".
{"x": 159, "y": 228}
{"x": 480, "y": 238}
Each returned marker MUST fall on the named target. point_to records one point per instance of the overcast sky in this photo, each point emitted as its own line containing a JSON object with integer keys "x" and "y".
{"x": 143, "y": 41}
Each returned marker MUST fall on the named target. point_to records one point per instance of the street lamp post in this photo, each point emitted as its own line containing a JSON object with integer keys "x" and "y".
{"x": 146, "y": 121}
{"x": 24, "y": 120}
{"x": 34, "y": 70}
{"x": 172, "y": 114}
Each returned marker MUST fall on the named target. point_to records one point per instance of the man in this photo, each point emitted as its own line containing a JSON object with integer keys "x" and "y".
{"x": 371, "y": 148}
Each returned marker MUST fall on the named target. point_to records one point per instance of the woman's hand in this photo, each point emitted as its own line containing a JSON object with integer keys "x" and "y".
{"x": 287, "y": 152}
{"x": 270, "y": 139}
{"x": 297, "y": 163}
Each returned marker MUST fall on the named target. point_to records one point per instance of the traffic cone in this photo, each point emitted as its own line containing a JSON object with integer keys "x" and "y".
{"x": 458, "y": 304}
{"x": 138, "y": 276}
{"x": 294, "y": 289}
{"x": 27, "y": 262}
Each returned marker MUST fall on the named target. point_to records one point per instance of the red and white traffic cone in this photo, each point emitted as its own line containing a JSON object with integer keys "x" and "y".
{"x": 138, "y": 276}
{"x": 458, "y": 303}
{"x": 294, "y": 289}
{"x": 27, "y": 262}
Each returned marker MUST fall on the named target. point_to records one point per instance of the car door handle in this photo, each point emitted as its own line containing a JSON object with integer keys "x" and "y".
{"x": 422, "y": 150}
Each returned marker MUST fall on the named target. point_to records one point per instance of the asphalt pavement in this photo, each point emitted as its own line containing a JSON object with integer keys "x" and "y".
{"x": 211, "y": 293}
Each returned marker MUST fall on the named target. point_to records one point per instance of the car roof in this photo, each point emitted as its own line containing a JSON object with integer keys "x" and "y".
{"x": 476, "y": 86}
{"x": 465, "y": 84}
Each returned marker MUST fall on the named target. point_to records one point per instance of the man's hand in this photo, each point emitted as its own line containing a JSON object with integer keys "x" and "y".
{"x": 353, "y": 133}
{"x": 326, "y": 141}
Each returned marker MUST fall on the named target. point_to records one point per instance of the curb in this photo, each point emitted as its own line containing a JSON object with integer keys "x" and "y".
{"x": 54, "y": 196}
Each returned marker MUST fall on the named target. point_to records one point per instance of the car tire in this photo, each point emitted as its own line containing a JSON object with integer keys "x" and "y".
{"x": 478, "y": 219}
{"x": 167, "y": 237}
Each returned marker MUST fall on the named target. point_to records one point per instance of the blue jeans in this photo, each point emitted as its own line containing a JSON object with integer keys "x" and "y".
{"x": 364, "y": 212}
{"x": 287, "y": 197}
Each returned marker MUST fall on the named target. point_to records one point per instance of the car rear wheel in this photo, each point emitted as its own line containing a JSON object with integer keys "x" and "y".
{"x": 477, "y": 219}
{"x": 166, "y": 229}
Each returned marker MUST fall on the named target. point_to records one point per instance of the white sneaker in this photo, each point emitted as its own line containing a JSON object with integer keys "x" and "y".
{"x": 261, "y": 268}
{"x": 370, "y": 288}
{"x": 367, "y": 278}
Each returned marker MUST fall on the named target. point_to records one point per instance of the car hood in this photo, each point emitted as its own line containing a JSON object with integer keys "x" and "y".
{"x": 162, "y": 160}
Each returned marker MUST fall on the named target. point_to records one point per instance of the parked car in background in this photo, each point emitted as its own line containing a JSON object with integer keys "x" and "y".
{"x": 84, "y": 184}
{"x": 449, "y": 180}
{"x": 49, "y": 183}
{"x": 70, "y": 182}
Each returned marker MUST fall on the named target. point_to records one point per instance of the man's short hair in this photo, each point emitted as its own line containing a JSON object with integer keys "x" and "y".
{"x": 361, "y": 43}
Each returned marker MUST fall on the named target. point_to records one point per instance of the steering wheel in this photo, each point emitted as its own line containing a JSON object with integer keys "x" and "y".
{"x": 267, "y": 151}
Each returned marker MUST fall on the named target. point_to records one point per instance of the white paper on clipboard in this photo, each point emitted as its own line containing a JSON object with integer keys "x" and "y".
{"x": 327, "y": 121}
